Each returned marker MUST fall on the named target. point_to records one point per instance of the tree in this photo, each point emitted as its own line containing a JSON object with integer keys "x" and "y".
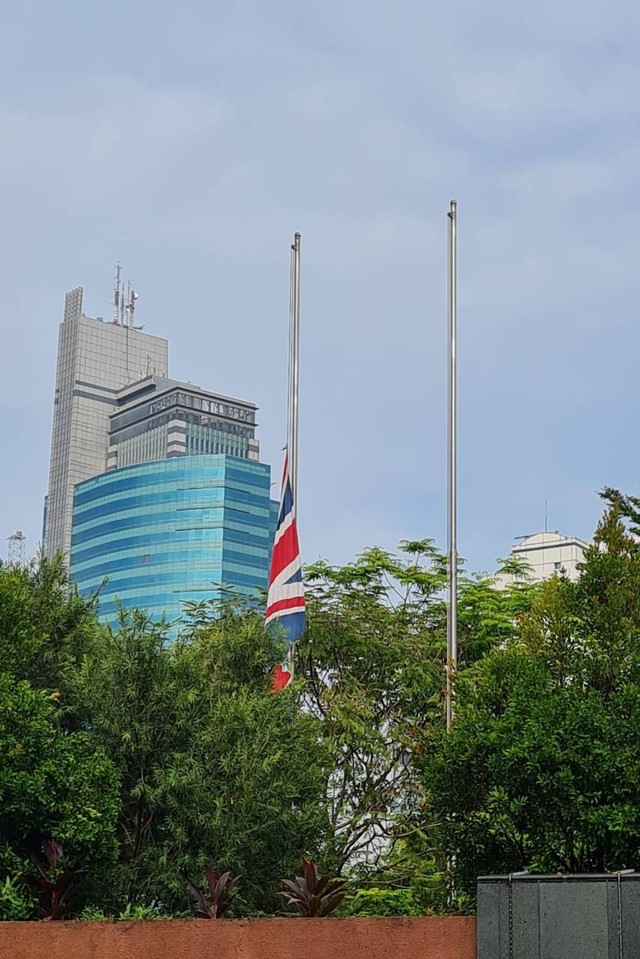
{"x": 53, "y": 786}
{"x": 373, "y": 665}
{"x": 46, "y": 628}
{"x": 542, "y": 768}
{"x": 215, "y": 769}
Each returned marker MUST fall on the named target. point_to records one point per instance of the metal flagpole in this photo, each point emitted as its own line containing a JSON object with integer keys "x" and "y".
{"x": 290, "y": 355}
{"x": 295, "y": 367}
{"x": 294, "y": 386}
{"x": 452, "y": 484}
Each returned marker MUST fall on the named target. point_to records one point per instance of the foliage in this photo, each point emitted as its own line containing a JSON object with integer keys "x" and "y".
{"x": 46, "y": 628}
{"x": 311, "y": 894}
{"x": 373, "y": 664}
{"x": 414, "y": 864}
{"x": 52, "y": 784}
{"x": 542, "y": 768}
{"x": 213, "y": 767}
{"x": 130, "y": 762}
{"x": 371, "y": 667}
{"x": 139, "y": 912}
{"x": 93, "y": 914}
{"x": 374, "y": 901}
{"x": 221, "y": 887}
{"x": 128, "y": 914}
{"x": 15, "y": 901}
{"x": 59, "y": 885}
{"x": 130, "y": 694}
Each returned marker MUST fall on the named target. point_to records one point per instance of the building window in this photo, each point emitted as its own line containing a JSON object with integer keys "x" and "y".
{"x": 557, "y": 566}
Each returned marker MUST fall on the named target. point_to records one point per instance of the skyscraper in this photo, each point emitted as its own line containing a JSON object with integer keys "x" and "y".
{"x": 95, "y": 360}
{"x": 156, "y": 491}
{"x": 158, "y": 534}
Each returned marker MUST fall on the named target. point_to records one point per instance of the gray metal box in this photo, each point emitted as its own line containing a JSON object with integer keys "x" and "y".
{"x": 559, "y": 917}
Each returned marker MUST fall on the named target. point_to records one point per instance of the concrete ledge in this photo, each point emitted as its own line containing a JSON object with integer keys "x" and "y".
{"x": 427, "y": 937}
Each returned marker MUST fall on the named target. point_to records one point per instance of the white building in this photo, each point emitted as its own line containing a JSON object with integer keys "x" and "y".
{"x": 96, "y": 359}
{"x": 546, "y": 554}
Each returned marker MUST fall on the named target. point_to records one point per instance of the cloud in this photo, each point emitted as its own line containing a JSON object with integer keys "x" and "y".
{"x": 192, "y": 142}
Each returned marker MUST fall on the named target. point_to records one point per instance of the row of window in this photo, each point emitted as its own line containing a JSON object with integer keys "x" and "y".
{"x": 206, "y": 580}
{"x": 168, "y": 525}
{"x": 204, "y": 473}
{"x": 179, "y": 564}
{"x": 200, "y": 403}
{"x": 113, "y": 542}
{"x": 143, "y": 512}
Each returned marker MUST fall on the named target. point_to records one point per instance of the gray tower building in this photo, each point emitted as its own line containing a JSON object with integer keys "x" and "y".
{"x": 158, "y": 418}
{"x": 96, "y": 359}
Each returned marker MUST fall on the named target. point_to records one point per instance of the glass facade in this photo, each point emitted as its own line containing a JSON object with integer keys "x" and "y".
{"x": 164, "y": 532}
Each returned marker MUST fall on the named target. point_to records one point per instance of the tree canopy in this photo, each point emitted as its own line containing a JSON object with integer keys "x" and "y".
{"x": 132, "y": 762}
{"x": 540, "y": 771}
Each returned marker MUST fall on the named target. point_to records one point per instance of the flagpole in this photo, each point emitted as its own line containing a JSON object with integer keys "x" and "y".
{"x": 294, "y": 374}
{"x": 452, "y": 483}
{"x": 294, "y": 387}
{"x": 290, "y": 354}
{"x": 285, "y": 590}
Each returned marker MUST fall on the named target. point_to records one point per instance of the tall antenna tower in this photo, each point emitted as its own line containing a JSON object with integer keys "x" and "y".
{"x": 17, "y": 551}
{"x": 124, "y": 302}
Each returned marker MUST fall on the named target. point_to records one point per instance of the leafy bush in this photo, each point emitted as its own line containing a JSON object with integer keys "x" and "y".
{"x": 59, "y": 887}
{"x": 381, "y": 902}
{"x": 311, "y": 894}
{"x": 221, "y": 886}
{"x": 15, "y": 902}
{"x": 141, "y": 912}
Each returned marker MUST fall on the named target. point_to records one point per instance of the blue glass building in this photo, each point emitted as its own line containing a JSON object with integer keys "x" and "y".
{"x": 171, "y": 530}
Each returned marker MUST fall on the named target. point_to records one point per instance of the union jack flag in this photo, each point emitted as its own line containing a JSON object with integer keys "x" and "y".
{"x": 285, "y": 599}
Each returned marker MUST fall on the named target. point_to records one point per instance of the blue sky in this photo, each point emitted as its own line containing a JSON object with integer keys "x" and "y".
{"x": 190, "y": 141}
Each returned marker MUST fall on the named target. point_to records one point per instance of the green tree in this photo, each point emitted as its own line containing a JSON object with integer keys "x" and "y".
{"x": 373, "y": 663}
{"x": 215, "y": 769}
{"x": 46, "y": 628}
{"x": 53, "y": 785}
{"x": 542, "y": 768}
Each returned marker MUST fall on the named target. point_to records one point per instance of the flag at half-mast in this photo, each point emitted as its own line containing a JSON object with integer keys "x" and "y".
{"x": 285, "y": 598}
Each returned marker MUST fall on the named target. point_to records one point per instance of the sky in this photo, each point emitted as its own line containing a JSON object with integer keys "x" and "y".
{"x": 190, "y": 141}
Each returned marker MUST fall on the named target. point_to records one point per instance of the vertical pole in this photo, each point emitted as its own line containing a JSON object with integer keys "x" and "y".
{"x": 294, "y": 387}
{"x": 452, "y": 484}
{"x": 290, "y": 356}
{"x": 295, "y": 368}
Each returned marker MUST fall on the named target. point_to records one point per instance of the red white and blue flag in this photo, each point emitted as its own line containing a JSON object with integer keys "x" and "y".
{"x": 285, "y": 599}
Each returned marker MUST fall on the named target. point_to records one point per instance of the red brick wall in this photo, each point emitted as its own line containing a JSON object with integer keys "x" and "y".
{"x": 419, "y": 938}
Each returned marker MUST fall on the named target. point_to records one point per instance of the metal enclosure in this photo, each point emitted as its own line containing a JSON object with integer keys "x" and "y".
{"x": 559, "y": 917}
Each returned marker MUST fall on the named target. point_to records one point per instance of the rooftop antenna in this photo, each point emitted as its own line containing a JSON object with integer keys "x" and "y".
{"x": 131, "y": 305}
{"x": 17, "y": 552}
{"x": 123, "y": 306}
{"x": 546, "y": 516}
{"x": 117, "y": 297}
